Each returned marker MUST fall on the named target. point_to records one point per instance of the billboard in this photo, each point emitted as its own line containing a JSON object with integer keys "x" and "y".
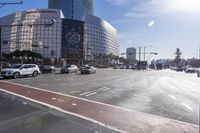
{"x": 72, "y": 39}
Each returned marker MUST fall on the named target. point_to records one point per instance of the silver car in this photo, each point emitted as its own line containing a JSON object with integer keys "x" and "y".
{"x": 88, "y": 70}
{"x": 69, "y": 69}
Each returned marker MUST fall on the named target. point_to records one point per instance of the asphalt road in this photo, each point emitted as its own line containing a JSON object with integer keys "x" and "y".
{"x": 163, "y": 93}
{"x": 18, "y": 115}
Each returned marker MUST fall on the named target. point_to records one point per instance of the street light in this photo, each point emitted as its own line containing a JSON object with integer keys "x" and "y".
{"x": 145, "y": 50}
{"x": 13, "y": 3}
{"x": 52, "y": 22}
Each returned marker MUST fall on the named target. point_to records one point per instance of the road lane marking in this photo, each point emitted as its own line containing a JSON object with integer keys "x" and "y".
{"x": 79, "y": 98}
{"x": 72, "y": 92}
{"x": 90, "y": 94}
{"x": 85, "y": 93}
{"x": 74, "y": 104}
{"x": 101, "y": 88}
{"x": 162, "y": 91}
{"x": 106, "y": 89}
{"x": 53, "y": 98}
{"x": 114, "y": 84}
{"x": 187, "y": 106}
{"x": 173, "y": 97}
{"x": 67, "y": 112}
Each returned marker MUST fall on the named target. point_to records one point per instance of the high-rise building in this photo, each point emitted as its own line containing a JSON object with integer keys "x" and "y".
{"x": 131, "y": 53}
{"x": 73, "y": 9}
{"x": 76, "y": 36}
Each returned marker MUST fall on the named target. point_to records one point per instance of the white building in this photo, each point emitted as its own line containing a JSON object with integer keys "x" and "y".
{"x": 78, "y": 36}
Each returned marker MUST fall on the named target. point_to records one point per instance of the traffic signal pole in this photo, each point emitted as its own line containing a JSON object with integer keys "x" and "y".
{"x": 139, "y": 57}
{"x": 0, "y": 51}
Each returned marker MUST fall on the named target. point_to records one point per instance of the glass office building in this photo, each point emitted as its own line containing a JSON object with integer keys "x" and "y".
{"x": 42, "y": 39}
{"x": 100, "y": 37}
{"x": 76, "y": 35}
{"x": 73, "y": 9}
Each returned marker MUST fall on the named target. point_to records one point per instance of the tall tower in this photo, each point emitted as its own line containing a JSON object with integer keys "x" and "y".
{"x": 73, "y": 9}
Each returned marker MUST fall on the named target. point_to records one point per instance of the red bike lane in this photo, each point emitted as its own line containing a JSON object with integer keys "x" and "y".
{"x": 107, "y": 115}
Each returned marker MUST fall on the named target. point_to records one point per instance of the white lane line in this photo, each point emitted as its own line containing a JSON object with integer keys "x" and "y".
{"x": 79, "y": 98}
{"x": 162, "y": 91}
{"x": 68, "y": 112}
{"x": 106, "y": 89}
{"x": 114, "y": 84}
{"x": 85, "y": 93}
{"x": 187, "y": 106}
{"x": 173, "y": 97}
{"x": 90, "y": 94}
{"x": 74, "y": 104}
{"x": 72, "y": 92}
{"x": 101, "y": 88}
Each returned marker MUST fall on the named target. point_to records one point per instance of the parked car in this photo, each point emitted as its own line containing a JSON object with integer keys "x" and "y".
{"x": 190, "y": 70}
{"x": 179, "y": 69}
{"x": 116, "y": 67}
{"x": 88, "y": 70}
{"x": 82, "y": 67}
{"x": 47, "y": 69}
{"x": 69, "y": 69}
{"x": 20, "y": 70}
{"x": 122, "y": 67}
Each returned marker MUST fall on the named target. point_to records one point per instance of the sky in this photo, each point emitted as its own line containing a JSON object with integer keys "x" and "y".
{"x": 163, "y": 24}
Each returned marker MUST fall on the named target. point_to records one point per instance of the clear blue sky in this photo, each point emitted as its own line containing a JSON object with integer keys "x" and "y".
{"x": 165, "y": 24}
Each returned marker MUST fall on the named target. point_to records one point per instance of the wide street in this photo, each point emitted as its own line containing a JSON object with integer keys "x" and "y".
{"x": 165, "y": 93}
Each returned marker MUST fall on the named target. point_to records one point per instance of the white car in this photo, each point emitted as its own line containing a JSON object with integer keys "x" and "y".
{"x": 20, "y": 70}
{"x": 69, "y": 69}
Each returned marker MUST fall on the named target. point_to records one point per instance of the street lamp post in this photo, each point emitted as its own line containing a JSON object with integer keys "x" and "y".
{"x": 20, "y": 25}
{"x": 13, "y": 3}
{"x": 139, "y": 56}
{"x": 145, "y": 51}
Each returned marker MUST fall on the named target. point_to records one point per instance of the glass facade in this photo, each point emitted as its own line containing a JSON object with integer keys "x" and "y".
{"x": 42, "y": 39}
{"x": 97, "y": 37}
{"x": 100, "y": 38}
{"x": 73, "y": 9}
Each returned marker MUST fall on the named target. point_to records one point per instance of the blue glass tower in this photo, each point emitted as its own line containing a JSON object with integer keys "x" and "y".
{"x": 73, "y": 9}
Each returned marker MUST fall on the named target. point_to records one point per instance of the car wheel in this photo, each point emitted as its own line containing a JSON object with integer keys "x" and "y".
{"x": 35, "y": 73}
{"x": 16, "y": 75}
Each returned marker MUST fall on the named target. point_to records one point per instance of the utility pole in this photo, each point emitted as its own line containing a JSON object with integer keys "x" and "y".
{"x": 199, "y": 52}
{"x": 139, "y": 57}
{"x": 144, "y": 52}
{"x": 13, "y": 3}
{"x": 0, "y": 51}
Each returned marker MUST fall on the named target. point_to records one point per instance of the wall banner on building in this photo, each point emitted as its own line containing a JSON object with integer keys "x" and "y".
{"x": 72, "y": 39}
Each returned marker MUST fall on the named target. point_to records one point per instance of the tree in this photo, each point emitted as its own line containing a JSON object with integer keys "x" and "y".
{"x": 178, "y": 57}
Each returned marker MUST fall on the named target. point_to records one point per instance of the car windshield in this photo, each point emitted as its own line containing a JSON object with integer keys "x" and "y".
{"x": 66, "y": 66}
{"x": 15, "y": 66}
